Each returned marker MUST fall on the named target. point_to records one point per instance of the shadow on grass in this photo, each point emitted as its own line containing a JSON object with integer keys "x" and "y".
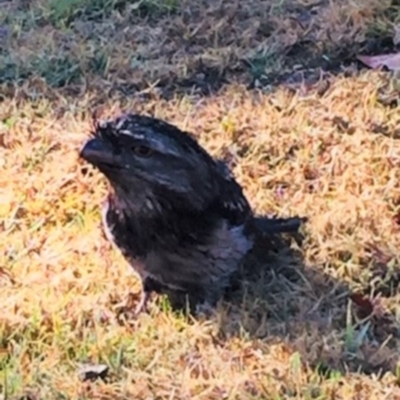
{"x": 324, "y": 324}
{"x": 174, "y": 46}
{"x": 333, "y": 330}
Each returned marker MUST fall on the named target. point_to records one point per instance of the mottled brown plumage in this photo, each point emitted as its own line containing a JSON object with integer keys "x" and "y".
{"x": 176, "y": 214}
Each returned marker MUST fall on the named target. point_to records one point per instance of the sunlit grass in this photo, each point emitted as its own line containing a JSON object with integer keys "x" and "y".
{"x": 329, "y": 155}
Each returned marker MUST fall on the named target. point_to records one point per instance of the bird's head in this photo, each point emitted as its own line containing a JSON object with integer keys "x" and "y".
{"x": 152, "y": 161}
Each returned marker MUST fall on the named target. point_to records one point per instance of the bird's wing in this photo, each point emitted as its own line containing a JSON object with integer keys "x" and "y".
{"x": 230, "y": 204}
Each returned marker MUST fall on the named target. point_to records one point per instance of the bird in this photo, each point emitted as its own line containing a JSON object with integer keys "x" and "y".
{"x": 177, "y": 214}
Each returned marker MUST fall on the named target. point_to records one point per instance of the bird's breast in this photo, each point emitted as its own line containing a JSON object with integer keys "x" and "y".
{"x": 116, "y": 234}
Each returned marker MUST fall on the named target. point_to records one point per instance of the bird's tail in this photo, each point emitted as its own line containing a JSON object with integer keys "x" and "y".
{"x": 267, "y": 225}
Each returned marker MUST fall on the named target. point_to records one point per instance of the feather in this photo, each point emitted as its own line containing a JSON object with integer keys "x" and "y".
{"x": 177, "y": 215}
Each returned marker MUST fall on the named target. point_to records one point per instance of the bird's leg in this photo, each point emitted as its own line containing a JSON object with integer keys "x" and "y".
{"x": 128, "y": 309}
{"x": 142, "y": 305}
{"x": 204, "y": 309}
{"x": 148, "y": 285}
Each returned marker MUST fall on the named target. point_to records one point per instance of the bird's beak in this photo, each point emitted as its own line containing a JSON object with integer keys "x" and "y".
{"x": 98, "y": 152}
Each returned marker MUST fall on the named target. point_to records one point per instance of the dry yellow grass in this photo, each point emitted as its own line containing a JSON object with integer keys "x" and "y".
{"x": 330, "y": 154}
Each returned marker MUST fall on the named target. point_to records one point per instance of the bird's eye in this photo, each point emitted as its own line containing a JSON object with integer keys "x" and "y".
{"x": 142, "y": 151}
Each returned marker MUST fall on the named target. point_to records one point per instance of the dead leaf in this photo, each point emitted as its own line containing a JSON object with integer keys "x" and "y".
{"x": 366, "y": 307}
{"x": 390, "y": 61}
{"x": 93, "y": 371}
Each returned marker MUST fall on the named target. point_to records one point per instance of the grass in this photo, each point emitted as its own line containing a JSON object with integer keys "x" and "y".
{"x": 274, "y": 88}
